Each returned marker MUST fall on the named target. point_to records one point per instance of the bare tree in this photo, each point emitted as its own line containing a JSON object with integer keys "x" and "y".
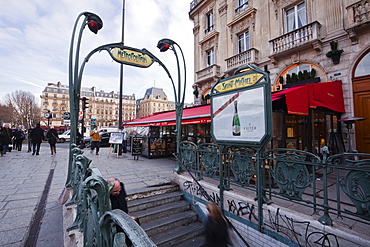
{"x": 5, "y": 114}
{"x": 24, "y": 108}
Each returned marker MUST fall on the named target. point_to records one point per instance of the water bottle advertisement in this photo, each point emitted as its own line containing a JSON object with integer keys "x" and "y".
{"x": 239, "y": 116}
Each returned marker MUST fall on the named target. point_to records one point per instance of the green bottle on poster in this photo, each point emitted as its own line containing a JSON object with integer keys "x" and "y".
{"x": 236, "y": 121}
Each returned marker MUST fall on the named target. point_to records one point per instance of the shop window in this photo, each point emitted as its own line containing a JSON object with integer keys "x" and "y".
{"x": 299, "y": 74}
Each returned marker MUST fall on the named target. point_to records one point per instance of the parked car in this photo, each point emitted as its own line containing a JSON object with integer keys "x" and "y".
{"x": 65, "y": 137}
{"x": 104, "y": 136}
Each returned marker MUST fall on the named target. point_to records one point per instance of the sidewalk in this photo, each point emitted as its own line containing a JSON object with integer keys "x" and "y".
{"x": 24, "y": 186}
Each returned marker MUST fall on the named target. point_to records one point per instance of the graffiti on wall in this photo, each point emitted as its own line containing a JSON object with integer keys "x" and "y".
{"x": 297, "y": 231}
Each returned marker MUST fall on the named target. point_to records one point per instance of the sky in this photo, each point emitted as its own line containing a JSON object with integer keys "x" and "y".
{"x": 35, "y": 39}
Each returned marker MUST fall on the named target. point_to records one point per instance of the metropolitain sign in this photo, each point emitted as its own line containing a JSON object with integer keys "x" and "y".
{"x": 131, "y": 57}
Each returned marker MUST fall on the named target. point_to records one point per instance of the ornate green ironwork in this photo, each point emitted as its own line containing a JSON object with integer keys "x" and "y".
{"x": 97, "y": 204}
{"x": 80, "y": 172}
{"x": 355, "y": 183}
{"x": 290, "y": 172}
{"x": 189, "y": 155}
{"x": 242, "y": 165}
{"x": 111, "y": 219}
{"x": 209, "y": 159}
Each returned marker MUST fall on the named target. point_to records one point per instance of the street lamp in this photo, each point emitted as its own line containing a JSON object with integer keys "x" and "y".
{"x": 164, "y": 45}
{"x": 94, "y": 23}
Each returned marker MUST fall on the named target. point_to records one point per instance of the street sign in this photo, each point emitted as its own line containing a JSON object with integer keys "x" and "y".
{"x": 66, "y": 116}
{"x": 92, "y": 121}
{"x": 131, "y": 56}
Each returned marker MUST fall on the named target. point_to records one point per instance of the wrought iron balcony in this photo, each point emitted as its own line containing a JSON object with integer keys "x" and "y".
{"x": 249, "y": 56}
{"x": 211, "y": 72}
{"x": 306, "y": 35}
{"x": 194, "y": 4}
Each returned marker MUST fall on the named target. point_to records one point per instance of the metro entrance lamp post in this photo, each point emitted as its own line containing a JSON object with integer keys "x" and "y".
{"x": 164, "y": 45}
{"x": 94, "y": 23}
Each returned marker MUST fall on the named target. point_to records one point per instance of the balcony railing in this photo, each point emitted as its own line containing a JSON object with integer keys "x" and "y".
{"x": 358, "y": 13}
{"x": 194, "y": 4}
{"x": 304, "y": 35}
{"x": 249, "y": 56}
{"x": 208, "y": 73}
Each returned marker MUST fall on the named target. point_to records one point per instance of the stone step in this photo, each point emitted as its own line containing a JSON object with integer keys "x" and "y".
{"x": 161, "y": 211}
{"x": 153, "y": 201}
{"x": 150, "y": 191}
{"x": 166, "y": 217}
{"x": 197, "y": 241}
{"x": 181, "y": 235}
{"x": 167, "y": 223}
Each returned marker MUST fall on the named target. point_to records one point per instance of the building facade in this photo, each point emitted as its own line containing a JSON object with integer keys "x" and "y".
{"x": 294, "y": 40}
{"x": 154, "y": 100}
{"x": 102, "y": 106}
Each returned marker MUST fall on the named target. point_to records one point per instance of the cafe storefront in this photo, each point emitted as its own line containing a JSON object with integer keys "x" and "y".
{"x": 158, "y": 130}
{"x": 305, "y": 117}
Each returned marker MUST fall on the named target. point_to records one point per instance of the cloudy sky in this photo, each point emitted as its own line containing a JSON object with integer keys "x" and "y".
{"x": 35, "y": 39}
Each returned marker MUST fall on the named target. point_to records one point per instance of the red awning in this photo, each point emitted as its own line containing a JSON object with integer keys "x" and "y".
{"x": 298, "y": 100}
{"x": 191, "y": 115}
{"x": 324, "y": 94}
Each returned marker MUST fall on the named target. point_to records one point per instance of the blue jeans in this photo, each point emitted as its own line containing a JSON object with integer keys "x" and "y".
{"x": 5, "y": 148}
{"x": 95, "y": 144}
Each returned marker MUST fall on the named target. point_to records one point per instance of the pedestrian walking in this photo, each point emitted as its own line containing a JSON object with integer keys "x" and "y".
{"x": 124, "y": 140}
{"x": 8, "y": 134}
{"x": 37, "y": 136}
{"x": 19, "y": 137}
{"x": 95, "y": 140}
{"x": 216, "y": 227}
{"x": 29, "y": 140}
{"x": 2, "y": 141}
{"x": 52, "y": 136}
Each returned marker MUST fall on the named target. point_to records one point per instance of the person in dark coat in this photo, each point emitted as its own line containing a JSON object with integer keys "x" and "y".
{"x": 52, "y": 136}
{"x": 19, "y": 137}
{"x": 8, "y": 134}
{"x": 118, "y": 201}
{"x": 29, "y": 139}
{"x": 2, "y": 140}
{"x": 216, "y": 228}
{"x": 118, "y": 195}
{"x": 37, "y": 136}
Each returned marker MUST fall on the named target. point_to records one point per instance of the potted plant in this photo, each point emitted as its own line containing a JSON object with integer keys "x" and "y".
{"x": 335, "y": 53}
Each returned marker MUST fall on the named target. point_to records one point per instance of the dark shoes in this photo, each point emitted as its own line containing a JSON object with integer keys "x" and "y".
{"x": 33, "y": 153}
{"x": 97, "y": 153}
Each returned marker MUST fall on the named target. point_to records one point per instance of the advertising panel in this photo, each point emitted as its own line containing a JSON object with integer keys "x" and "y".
{"x": 239, "y": 116}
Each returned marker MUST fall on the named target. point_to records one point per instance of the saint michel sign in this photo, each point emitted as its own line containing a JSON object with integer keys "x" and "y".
{"x": 241, "y": 108}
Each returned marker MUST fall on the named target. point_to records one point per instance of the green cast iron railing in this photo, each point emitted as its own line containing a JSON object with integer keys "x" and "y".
{"x": 335, "y": 186}
{"x": 94, "y": 216}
